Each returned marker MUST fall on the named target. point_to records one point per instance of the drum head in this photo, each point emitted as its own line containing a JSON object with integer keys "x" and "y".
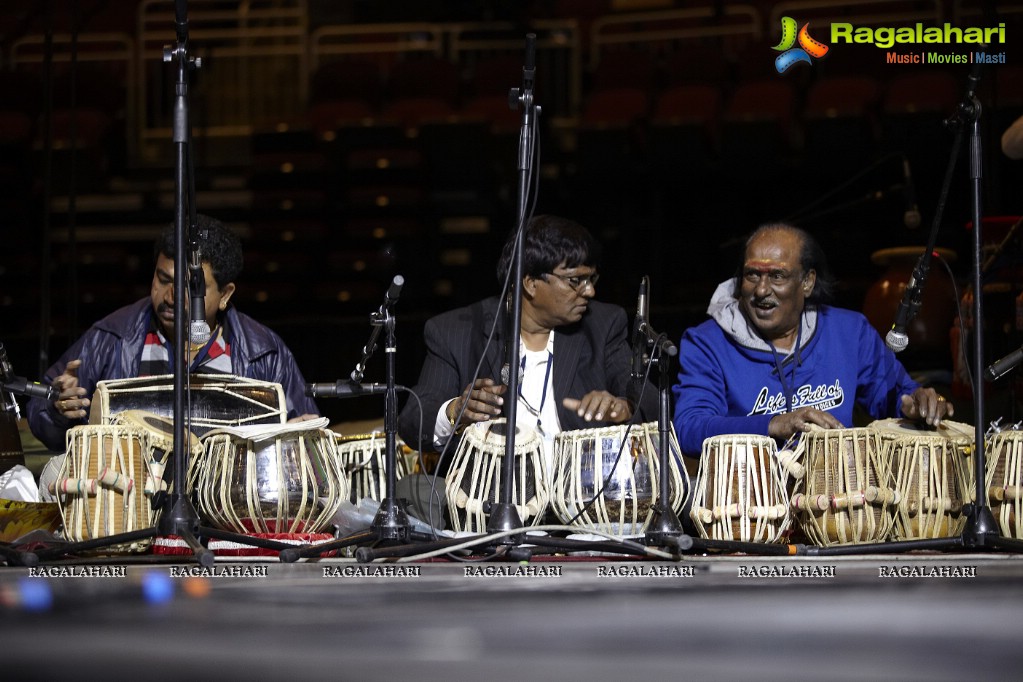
{"x": 159, "y": 428}
{"x": 900, "y": 428}
{"x": 490, "y": 437}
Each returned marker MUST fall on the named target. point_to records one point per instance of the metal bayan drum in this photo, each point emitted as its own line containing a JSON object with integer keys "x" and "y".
{"x": 1004, "y": 481}
{"x": 740, "y": 490}
{"x": 932, "y": 476}
{"x": 284, "y": 478}
{"x": 608, "y": 478}
{"x": 363, "y": 457}
{"x": 474, "y": 478}
{"x": 111, "y": 473}
{"x": 847, "y": 494}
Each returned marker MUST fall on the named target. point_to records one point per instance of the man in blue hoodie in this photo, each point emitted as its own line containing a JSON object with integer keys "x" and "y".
{"x": 775, "y": 360}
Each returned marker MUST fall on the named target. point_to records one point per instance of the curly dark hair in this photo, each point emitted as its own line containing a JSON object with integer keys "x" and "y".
{"x": 221, "y": 248}
{"x": 548, "y": 242}
{"x": 811, "y": 257}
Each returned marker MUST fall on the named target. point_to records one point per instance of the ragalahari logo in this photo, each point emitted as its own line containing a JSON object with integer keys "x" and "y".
{"x": 808, "y": 49}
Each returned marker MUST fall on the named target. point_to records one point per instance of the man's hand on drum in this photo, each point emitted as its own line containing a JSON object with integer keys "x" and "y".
{"x": 71, "y": 402}
{"x": 925, "y": 405}
{"x": 600, "y": 406}
{"x": 787, "y": 424}
{"x": 482, "y": 401}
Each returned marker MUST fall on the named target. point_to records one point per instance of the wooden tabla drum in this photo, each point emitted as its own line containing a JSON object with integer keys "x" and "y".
{"x": 284, "y": 478}
{"x": 363, "y": 458}
{"x": 847, "y": 495}
{"x": 1004, "y": 482}
{"x": 475, "y": 478}
{"x": 110, "y": 475}
{"x": 932, "y": 477}
{"x": 608, "y": 478}
{"x": 740, "y": 490}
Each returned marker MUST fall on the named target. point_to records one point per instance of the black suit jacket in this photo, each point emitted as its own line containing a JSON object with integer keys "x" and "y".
{"x": 592, "y": 354}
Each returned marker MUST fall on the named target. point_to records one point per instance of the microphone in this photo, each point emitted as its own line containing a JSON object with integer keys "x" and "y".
{"x": 529, "y": 68}
{"x": 343, "y": 389}
{"x": 1000, "y": 367}
{"x": 393, "y": 292}
{"x": 20, "y": 385}
{"x": 639, "y": 339}
{"x": 181, "y": 19}
{"x": 896, "y": 338}
{"x": 911, "y": 218}
{"x": 31, "y": 389}
{"x": 198, "y": 328}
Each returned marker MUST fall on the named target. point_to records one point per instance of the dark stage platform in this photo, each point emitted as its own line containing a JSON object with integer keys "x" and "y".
{"x": 915, "y": 616}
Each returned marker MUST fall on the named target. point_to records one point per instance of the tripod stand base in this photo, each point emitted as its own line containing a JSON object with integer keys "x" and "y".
{"x": 503, "y": 517}
{"x": 665, "y": 530}
{"x": 181, "y": 519}
{"x": 980, "y": 528}
{"x": 391, "y": 521}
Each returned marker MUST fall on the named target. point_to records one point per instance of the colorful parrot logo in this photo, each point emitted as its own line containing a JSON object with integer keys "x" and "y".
{"x": 808, "y": 49}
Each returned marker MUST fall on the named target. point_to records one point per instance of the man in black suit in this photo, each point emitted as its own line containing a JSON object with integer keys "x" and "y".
{"x": 575, "y": 359}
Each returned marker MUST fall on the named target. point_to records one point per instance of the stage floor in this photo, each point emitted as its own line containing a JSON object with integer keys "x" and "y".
{"x": 913, "y": 616}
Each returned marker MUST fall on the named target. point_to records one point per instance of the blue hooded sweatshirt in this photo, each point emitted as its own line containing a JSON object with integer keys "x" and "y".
{"x": 728, "y": 382}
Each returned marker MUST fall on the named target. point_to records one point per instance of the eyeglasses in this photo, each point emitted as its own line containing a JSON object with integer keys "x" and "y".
{"x": 579, "y": 282}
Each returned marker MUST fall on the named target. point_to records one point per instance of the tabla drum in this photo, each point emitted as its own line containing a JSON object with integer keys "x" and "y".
{"x": 740, "y": 490}
{"x": 932, "y": 477}
{"x": 363, "y": 458}
{"x": 608, "y": 478}
{"x": 847, "y": 495}
{"x": 111, "y": 474}
{"x": 474, "y": 479}
{"x": 260, "y": 479}
{"x": 1004, "y": 481}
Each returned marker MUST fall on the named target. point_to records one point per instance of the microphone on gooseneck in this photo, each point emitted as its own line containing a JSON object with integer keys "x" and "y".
{"x": 896, "y": 339}
{"x": 639, "y": 336}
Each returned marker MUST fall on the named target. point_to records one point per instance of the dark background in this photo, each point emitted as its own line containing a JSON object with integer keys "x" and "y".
{"x": 670, "y": 195}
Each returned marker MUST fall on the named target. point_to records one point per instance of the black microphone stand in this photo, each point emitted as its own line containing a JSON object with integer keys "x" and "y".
{"x": 391, "y": 523}
{"x": 650, "y": 348}
{"x": 664, "y": 528}
{"x": 179, "y": 517}
{"x": 981, "y": 529}
{"x": 503, "y": 515}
